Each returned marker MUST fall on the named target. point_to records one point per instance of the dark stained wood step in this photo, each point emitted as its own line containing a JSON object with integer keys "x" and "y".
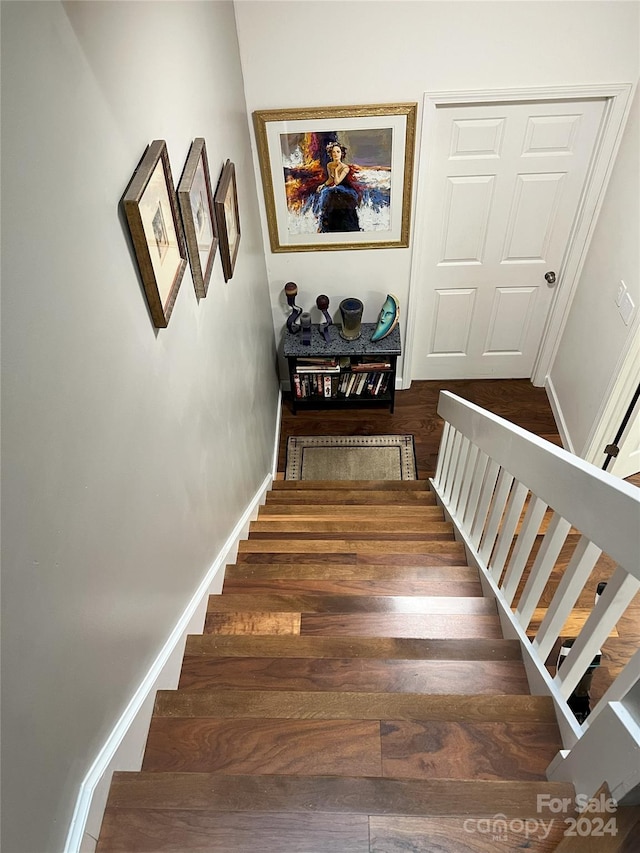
{"x": 352, "y": 511}
{"x": 345, "y": 705}
{"x": 392, "y": 748}
{"x": 161, "y": 831}
{"x": 353, "y": 674}
{"x": 440, "y": 554}
{"x": 367, "y": 604}
{"x": 350, "y": 527}
{"x": 433, "y": 626}
{"x": 353, "y": 571}
{"x": 267, "y": 746}
{"x": 383, "y": 539}
{"x": 209, "y": 792}
{"x": 290, "y": 586}
{"x": 352, "y": 587}
{"x": 348, "y": 485}
{"x": 364, "y": 546}
{"x": 459, "y": 835}
{"x": 353, "y": 496}
{"x": 414, "y": 749}
{"x": 208, "y": 645}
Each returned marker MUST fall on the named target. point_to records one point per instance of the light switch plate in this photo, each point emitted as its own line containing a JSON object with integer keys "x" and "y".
{"x": 626, "y": 308}
{"x": 622, "y": 289}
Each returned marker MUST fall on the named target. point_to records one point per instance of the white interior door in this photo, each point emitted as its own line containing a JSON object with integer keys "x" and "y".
{"x": 504, "y": 185}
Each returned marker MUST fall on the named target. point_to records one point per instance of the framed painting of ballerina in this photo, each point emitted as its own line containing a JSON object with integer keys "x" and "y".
{"x": 337, "y": 177}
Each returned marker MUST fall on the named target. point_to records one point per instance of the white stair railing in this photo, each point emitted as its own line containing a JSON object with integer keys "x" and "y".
{"x": 499, "y": 485}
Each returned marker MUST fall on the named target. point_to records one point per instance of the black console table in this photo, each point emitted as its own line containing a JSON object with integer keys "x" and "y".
{"x": 341, "y": 373}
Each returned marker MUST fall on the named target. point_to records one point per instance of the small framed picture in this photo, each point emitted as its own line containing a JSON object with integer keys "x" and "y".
{"x": 228, "y": 218}
{"x": 151, "y": 209}
{"x": 198, "y": 217}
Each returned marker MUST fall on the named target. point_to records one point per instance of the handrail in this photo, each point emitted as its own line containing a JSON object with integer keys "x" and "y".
{"x": 497, "y": 482}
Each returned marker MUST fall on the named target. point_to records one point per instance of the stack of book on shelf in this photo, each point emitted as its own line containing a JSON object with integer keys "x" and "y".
{"x": 364, "y": 384}
{"x": 316, "y": 377}
{"x": 366, "y": 366}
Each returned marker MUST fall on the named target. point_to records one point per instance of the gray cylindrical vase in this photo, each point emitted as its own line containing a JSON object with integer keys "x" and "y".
{"x": 351, "y": 311}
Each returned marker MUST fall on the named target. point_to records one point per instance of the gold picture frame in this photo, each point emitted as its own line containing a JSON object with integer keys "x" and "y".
{"x": 228, "y": 218}
{"x": 151, "y": 209}
{"x": 312, "y": 202}
{"x": 195, "y": 199}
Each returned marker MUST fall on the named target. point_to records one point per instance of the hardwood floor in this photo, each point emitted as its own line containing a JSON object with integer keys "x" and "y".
{"x": 415, "y": 413}
{"x": 518, "y": 401}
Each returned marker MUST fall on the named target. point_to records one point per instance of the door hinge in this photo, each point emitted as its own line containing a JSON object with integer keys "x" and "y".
{"x": 612, "y": 450}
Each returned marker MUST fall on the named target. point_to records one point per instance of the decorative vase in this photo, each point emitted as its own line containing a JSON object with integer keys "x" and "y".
{"x": 351, "y": 310}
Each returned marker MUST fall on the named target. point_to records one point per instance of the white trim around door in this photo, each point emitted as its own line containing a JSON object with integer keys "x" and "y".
{"x": 618, "y": 99}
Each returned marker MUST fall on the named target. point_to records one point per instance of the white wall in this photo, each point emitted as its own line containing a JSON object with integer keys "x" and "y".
{"x": 310, "y": 53}
{"x": 129, "y": 454}
{"x": 595, "y": 337}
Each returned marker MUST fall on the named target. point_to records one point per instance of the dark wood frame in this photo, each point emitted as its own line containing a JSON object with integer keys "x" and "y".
{"x": 227, "y": 191}
{"x": 137, "y": 194}
{"x": 197, "y": 156}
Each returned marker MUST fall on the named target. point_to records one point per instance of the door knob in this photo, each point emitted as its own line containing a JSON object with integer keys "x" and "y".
{"x": 550, "y": 277}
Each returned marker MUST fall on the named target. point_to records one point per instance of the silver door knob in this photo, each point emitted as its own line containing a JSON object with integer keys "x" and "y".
{"x": 550, "y": 277}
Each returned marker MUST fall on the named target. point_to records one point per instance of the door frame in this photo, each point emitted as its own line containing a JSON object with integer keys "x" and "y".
{"x": 618, "y": 97}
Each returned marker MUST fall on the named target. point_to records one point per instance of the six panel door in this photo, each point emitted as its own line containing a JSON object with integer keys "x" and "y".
{"x": 504, "y": 187}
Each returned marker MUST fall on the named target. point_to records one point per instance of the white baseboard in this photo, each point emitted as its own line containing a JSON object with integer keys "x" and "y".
{"x": 556, "y": 408}
{"x": 123, "y": 749}
{"x": 276, "y": 448}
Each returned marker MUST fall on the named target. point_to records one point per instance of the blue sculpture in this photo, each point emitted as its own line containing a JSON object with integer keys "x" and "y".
{"x": 388, "y": 319}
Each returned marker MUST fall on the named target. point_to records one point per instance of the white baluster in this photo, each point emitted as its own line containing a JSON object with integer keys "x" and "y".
{"x": 500, "y": 497}
{"x": 541, "y": 570}
{"x": 507, "y": 530}
{"x": 489, "y": 484}
{"x": 521, "y": 550}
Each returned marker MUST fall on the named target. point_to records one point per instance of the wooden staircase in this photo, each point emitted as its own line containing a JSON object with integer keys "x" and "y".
{"x": 351, "y": 692}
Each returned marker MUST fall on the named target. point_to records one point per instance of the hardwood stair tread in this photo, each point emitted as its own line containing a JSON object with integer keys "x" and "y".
{"x": 405, "y": 749}
{"x": 300, "y": 704}
{"x": 264, "y": 747}
{"x": 455, "y": 835}
{"x": 352, "y": 496}
{"x": 348, "y": 485}
{"x": 229, "y": 602}
{"x": 351, "y": 511}
{"x": 395, "y": 587}
{"x": 572, "y": 626}
{"x": 418, "y": 626}
{"x": 353, "y": 674}
{"x": 348, "y": 527}
{"x": 409, "y": 625}
{"x": 440, "y": 554}
{"x": 356, "y": 571}
{"x": 366, "y": 546}
{"x": 383, "y": 539}
{"x": 210, "y": 645}
{"x": 334, "y": 794}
